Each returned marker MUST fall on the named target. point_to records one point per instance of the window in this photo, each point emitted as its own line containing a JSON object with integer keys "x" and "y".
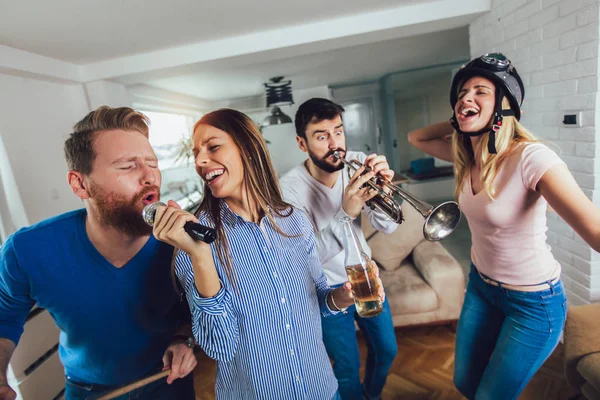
{"x": 169, "y": 135}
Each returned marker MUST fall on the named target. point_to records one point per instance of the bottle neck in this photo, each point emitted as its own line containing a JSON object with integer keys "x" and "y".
{"x": 354, "y": 251}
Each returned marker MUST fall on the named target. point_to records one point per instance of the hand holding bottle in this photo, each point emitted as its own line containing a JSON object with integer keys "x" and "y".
{"x": 343, "y": 295}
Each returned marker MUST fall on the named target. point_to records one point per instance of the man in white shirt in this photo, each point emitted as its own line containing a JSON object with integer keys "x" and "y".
{"x": 322, "y": 188}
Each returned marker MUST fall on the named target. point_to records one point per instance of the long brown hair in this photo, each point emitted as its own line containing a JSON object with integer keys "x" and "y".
{"x": 508, "y": 138}
{"x": 260, "y": 180}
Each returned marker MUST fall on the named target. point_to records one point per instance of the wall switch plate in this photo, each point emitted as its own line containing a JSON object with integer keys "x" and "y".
{"x": 572, "y": 119}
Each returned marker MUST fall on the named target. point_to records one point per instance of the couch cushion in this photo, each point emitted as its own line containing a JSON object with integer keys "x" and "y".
{"x": 589, "y": 368}
{"x": 406, "y": 290}
{"x": 580, "y": 340}
{"x": 590, "y": 392}
{"x": 390, "y": 250}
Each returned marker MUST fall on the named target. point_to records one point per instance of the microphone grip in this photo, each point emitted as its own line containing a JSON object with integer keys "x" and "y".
{"x": 200, "y": 232}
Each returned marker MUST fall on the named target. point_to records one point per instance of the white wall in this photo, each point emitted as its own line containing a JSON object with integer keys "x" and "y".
{"x": 35, "y": 120}
{"x": 12, "y": 211}
{"x": 105, "y": 93}
{"x": 36, "y": 117}
{"x": 554, "y": 45}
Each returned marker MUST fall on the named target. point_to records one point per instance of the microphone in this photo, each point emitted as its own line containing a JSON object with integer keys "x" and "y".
{"x": 195, "y": 230}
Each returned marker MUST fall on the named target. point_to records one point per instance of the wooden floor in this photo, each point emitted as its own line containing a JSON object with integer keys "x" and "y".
{"x": 423, "y": 370}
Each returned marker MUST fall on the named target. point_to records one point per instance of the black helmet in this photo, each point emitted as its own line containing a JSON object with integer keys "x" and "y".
{"x": 498, "y": 69}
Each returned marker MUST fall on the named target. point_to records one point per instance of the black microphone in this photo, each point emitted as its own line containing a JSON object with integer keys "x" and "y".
{"x": 195, "y": 230}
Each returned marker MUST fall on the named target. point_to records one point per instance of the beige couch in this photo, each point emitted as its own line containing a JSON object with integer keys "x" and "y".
{"x": 423, "y": 282}
{"x": 582, "y": 350}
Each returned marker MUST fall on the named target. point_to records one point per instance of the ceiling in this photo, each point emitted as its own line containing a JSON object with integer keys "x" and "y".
{"x": 82, "y": 32}
{"x": 200, "y": 53}
{"x": 360, "y": 63}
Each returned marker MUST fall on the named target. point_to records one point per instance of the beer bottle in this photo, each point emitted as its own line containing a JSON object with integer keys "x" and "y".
{"x": 361, "y": 274}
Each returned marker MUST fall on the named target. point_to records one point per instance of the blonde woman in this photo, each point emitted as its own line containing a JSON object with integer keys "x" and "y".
{"x": 515, "y": 306}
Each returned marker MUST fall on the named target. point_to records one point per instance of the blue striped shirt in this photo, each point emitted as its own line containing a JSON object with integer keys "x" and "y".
{"x": 266, "y": 332}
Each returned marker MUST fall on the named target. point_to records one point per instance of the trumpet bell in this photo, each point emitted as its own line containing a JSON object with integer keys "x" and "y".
{"x": 441, "y": 221}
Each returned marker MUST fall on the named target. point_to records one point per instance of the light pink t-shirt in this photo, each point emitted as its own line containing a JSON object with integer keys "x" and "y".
{"x": 509, "y": 233}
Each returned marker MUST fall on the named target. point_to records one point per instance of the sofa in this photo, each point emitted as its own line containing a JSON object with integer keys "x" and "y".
{"x": 423, "y": 282}
{"x": 582, "y": 350}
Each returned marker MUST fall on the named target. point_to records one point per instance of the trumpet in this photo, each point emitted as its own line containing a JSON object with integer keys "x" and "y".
{"x": 439, "y": 221}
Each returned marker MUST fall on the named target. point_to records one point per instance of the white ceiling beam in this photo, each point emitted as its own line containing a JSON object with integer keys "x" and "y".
{"x": 338, "y": 28}
{"x": 26, "y": 64}
{"x": 145, "y": 92}
{"x": 290, "y": 52}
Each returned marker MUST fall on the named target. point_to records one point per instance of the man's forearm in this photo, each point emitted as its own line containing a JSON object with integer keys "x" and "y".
{"x": 7, "y": 347}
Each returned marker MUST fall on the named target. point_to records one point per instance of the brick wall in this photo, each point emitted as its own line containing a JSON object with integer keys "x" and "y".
{"x": 554, "y": 45}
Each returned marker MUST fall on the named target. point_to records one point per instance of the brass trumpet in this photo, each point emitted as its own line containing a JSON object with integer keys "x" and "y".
{"x": 439, "y": 221}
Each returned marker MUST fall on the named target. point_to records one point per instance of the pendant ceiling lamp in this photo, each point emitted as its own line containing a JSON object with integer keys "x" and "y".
{"x": 279, "y": 92}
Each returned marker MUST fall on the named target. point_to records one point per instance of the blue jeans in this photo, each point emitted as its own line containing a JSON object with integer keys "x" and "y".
{"x": 182, "y": 388}
{"x": 504, "y": 336}
{"x": 339, "y": 336}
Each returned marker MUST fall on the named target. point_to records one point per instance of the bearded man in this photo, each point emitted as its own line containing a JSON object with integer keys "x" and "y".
{"x": 320, "y": 186}
{"x": 99, "y": 271}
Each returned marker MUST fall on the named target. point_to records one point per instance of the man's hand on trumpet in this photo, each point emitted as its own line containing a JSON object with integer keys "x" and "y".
{"x": 355, "y": 195}
{"x": 380, "y": 166}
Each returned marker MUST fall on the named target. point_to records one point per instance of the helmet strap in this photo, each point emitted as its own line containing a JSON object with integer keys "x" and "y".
{"x": 498, "y": 117}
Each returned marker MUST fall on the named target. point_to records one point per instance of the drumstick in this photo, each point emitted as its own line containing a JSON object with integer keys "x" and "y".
{"x": 135, "y": 385}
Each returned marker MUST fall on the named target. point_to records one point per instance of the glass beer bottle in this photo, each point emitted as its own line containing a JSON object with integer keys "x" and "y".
{"x": 361, "y": 274}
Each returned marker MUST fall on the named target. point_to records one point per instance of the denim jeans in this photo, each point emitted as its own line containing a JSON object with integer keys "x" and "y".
{"x": 182, "y": 388}
{"x": 504, "y": 336}
{"x": 339, "y": 336}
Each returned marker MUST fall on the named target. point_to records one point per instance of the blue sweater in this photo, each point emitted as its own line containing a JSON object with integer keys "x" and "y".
{"x": 115, "y": 323}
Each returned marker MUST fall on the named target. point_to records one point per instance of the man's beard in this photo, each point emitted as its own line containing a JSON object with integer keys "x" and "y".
{"x": 325, "y": 165}
{"x": 120, "y": 213}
